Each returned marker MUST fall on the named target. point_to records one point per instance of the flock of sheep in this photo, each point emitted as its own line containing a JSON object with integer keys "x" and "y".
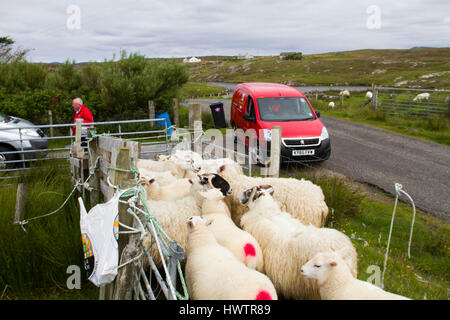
{"x": 250, "y": 238}
{"x": 369, "y": 96}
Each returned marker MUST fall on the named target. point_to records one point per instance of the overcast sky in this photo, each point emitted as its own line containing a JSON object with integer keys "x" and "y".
{"x": 94, "y": 30}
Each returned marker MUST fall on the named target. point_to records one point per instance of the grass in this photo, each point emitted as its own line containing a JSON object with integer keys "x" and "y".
{"x": 201, "y": 90}
{"x": 365, "y": 217}
{"x": 34, "y": 263}
{"x": 431, "y": 129}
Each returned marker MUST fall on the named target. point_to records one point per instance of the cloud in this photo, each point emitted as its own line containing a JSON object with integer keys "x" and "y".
{"x": 181, "y": 28}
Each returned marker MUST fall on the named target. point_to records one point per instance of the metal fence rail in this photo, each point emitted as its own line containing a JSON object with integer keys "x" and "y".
{"x": 21, "y": 149}
{"x": 403, "y": 101}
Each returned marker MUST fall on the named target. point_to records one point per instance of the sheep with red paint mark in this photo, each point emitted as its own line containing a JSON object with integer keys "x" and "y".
{"x": 242, "y": 244}
{"x": 301, "y": 198}
{"x": 172, "y": 214}
{"x": 212, "y": 272}
{"x": 287, "y": 244}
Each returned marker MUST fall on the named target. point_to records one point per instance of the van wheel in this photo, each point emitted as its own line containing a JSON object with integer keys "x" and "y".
{"x": 4, "y": 157}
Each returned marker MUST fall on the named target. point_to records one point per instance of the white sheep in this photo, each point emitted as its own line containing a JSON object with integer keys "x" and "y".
{"x": 172, "y": 214}
{"x": 243, "y": 245}
{"x": 301, "y": 198}
{"x": 336, "y": 282}
{"x": 213, "y": 165}
{"x": 163, "y": 177}
{"x": 345, "y": 93}
{"x": 331, "y": 105}
{"x": 369, "y": 95}
{"x": 213, "y": 272}
{"x": 287, "y": 244}
{"x": 422, "y": 96}
{"x": 180, "y": 168}
{"x": 172, "y": 191}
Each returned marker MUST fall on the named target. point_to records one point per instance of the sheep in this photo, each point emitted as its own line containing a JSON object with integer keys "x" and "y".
{"x": 345, "y": 93}
{"x": 369, "y": 95}
{"x": 301, "y": 198}
{"x": 213, "y": 165}
{"x": 422, "y": 96}
{"x": 331, "y": 105}
{"x": 163, "y": 177}
{"x": 172, "y": 214}
{"x": 180, "y": 168}
{"x": 287, "y": 244}
{"x": 243, "y": 245}
{"x": 173, "y": 191}
{"x": 213, "y": 272}
{"x": 336, "y": 282}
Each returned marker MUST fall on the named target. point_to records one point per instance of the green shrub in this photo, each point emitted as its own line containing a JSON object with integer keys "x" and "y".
{"x": 294, "y": 56}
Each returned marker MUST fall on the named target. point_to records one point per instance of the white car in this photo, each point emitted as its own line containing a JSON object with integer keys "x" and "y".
{"x": 20, "y": 140}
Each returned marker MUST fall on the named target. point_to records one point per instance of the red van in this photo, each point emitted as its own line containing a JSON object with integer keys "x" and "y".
{"x": 257, "y": 107}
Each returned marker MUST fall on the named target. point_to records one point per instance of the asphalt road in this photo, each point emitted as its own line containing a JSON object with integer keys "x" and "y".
{"x": 381, "y": 158}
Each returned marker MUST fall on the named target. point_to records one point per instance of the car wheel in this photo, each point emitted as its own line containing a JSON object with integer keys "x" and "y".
{"x": 4, "y": 157}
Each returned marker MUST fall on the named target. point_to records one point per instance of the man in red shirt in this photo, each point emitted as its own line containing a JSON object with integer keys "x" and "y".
{"x": 81, "y": 112}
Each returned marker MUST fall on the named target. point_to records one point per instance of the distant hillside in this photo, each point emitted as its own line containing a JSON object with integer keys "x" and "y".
{"x": 416, "y": 67}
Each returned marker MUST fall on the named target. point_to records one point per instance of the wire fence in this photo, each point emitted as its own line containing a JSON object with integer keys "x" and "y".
{"x": 413, "y": 102}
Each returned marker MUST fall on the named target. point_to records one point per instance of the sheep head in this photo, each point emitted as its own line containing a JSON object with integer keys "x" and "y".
{"x": 254, "y": 193}
{"x": 319, "y": 266}
{"x": 323, "y": 262}
{"x": 196, "y": 221}
{"x": 214, "y": 181}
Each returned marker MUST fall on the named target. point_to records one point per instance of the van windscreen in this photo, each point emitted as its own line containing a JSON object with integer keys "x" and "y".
{"x": 284, "y": 109}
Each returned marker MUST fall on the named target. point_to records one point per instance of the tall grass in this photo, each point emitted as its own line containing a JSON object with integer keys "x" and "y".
{"x": 365, "y": 217}
{"x": 37, "y": 260}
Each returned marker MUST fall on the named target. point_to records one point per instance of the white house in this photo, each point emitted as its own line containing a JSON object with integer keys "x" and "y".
{"x": 245, "y": 56}
{"x": 191, "y": 60}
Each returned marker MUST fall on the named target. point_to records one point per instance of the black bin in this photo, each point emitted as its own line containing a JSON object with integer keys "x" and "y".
{"x": 218, "y": 115}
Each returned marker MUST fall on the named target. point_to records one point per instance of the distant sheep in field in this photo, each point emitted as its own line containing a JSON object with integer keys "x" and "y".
{"x": 369, "y": 95}
{"x": 331, "y": 105}
{"x": 287, "y": 244}
{"x": 345, "y": 93}
{"x": 422, "y": 96}
{"x": 336, "y": 282}
{"x": 213, "y": 272}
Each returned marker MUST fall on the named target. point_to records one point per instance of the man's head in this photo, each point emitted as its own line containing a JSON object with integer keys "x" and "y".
{"x": 76, "y": 104}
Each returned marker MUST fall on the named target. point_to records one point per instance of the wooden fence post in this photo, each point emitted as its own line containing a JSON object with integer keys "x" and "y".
{"x": 77, "y": 150}
{"x": 21, "y": 196}
{"x": 195, "y": 114}
{"x": 374, "y": 97}
{"x": 198, "y": 131}
{"x": 151, "y": 112}
{"x": 176, "y": 117}
{"x": 275, "y": 151}
{"x": 50, "y": 122}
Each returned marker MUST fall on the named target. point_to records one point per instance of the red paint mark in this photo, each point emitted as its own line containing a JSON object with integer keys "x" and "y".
{"x": 263, "y": 295}
{"x": 249, "y": 250}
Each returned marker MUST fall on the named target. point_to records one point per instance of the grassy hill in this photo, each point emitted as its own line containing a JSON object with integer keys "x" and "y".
{"x": 421, "y": 67}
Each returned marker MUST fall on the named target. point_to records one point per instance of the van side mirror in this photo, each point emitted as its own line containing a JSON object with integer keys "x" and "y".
{"x": 318, "y": 113}
{"x": 248, "y": 117}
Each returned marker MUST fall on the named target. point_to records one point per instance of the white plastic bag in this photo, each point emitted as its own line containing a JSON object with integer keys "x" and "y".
{"x": 99, "y": 230}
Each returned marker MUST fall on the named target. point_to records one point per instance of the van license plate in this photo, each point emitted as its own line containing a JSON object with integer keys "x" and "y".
{"x": 303, "y": 152}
